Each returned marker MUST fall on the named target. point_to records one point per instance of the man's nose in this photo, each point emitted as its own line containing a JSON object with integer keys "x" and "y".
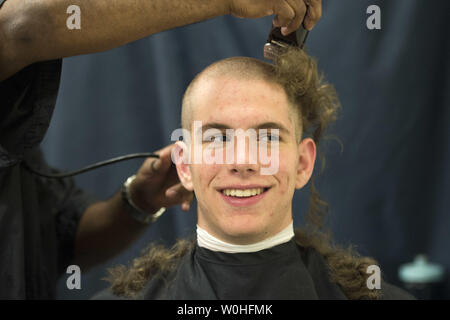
{"x": 245, "y": 169}
{"x": 245, "y": 160}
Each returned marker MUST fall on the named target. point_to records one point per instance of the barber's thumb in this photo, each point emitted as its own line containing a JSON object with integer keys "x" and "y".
{"x": 171, "y": 192}
{"x": 155, "y": 165}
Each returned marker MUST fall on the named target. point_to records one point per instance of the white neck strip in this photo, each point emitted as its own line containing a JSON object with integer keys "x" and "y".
{"x": 206, "y": 240}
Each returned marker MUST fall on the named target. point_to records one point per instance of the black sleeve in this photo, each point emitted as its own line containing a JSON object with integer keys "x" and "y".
{"x": 27, "y": 101}
{"x": 67, "y": 203}
{"x": 67, "y": 219}
{"x": 40, "y": 216}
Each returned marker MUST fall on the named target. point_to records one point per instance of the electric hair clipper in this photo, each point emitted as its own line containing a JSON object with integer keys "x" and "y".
{"x": 277, "y": 43}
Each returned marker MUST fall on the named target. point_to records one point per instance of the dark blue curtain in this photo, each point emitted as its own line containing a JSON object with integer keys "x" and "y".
{"x": 388, "y": 188}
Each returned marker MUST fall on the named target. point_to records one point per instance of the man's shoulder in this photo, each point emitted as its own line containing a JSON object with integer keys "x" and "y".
{"x": 153, "y": 289}
{"x": 150, "y": 274}
{"x": 107, "y": 294}
{"x": 348, "y": 273}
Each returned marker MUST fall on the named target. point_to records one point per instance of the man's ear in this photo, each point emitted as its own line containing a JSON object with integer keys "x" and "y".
{"x": 307, "y": 158}
{"x": 180, "y": 156}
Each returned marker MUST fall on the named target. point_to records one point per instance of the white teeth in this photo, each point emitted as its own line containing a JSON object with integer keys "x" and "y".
{"x": 242, "y": 193}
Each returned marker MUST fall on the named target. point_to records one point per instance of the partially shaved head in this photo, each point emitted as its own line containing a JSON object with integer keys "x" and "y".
{"x": 312, "y": 101}
{"x": 242, "y": 68}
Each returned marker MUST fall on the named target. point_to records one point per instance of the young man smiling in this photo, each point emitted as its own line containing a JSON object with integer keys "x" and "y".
{"x": 246, "y": 246}
{"x": 222, "y": 100}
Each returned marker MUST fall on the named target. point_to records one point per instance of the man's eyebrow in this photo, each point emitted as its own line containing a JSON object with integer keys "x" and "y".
{"x": 214, "y": 125}
{"x": 265, "y": 125}
{"x": 273, "y": 125}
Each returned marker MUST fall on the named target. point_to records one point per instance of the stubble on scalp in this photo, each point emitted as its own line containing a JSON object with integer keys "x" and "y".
{"x": 313, "y": 103}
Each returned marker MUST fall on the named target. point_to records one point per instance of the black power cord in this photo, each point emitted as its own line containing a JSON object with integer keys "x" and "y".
{"x": 92, "y": 166}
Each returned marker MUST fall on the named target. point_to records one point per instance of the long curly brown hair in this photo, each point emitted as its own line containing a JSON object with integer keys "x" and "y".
{"x": 316, "y": 104}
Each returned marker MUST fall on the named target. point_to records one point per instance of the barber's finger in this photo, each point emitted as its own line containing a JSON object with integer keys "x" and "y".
{"x": 177, "y": 192}
{"x": 284, "y": 14}
{"x": 179, "y": 195}
{"x": 153, "y": 166}
{"x": 187, "y": 201}
{"x": 299, "y": 8}
{"x": 164, "y": 160}
{"x": 314, "y": 13}
{"x": 165, "y": 154}
{"x": 170, "y": 177}
{"x": 185, "y": 206}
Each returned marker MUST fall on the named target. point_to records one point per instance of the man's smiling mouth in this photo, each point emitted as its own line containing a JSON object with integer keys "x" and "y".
{"x": 243, "y": 193}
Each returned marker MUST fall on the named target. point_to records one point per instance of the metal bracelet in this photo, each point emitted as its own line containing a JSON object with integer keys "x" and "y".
{"x": 134, "y": 211}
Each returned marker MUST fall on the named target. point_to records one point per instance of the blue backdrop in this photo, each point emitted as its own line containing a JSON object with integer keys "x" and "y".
{"x": 388, "y": 188}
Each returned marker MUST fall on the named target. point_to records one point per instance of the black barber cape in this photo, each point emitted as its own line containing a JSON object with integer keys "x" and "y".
{"x": 274, "y": 273}
{"x": 38, "y": 216}
{"x": 285, "y": 271}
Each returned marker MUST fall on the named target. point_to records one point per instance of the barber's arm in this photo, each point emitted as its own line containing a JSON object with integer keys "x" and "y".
{"x": 32, "y": 31}
{"x": 106, "y": 228}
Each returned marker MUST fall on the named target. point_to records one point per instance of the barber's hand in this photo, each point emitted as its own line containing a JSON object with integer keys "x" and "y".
{"x": 289, "y": 14}
{"x": 157, "y": 184}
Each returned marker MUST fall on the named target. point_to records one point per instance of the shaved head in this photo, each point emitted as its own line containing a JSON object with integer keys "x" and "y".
{"x": 242, "y": 68}
{"x": 312, "y": 101}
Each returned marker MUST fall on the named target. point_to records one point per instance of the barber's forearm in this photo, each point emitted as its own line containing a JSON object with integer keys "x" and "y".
{"x": 104, "y": 231}
{"x": 106, "y": 24}
{"x": 39, "y": 27}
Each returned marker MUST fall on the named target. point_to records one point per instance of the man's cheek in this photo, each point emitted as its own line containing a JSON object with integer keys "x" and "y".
{"x": 202, "y": 177}
{"x": 269, "y": 158}
{"x": 286, "y": 177}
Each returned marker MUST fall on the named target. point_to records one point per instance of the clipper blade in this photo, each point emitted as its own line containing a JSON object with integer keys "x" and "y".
{"x": 277, "y": 43}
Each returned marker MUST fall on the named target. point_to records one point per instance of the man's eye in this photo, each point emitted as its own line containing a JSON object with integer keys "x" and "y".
{"x": 269, "y": 137}
{"x": 223, "y": 138}
{"x": 217, "y": 138}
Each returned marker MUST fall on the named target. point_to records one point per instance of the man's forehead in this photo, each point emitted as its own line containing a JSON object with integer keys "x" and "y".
{"x": 227, "y": 102}
{"x": 221, "y": 92}
{"x": 220, "y": 82}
